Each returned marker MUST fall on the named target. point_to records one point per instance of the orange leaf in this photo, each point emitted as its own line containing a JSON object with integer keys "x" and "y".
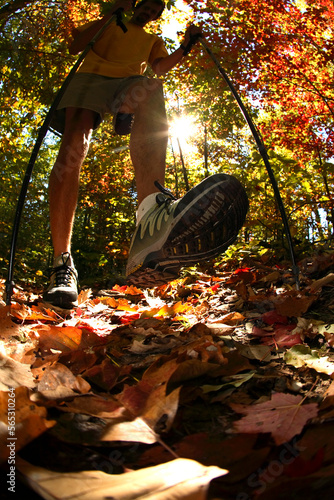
{"x": 63, "y": 338}
{"x": 30, "y": 420}
{"x": 177, "y": 308}
{"x": 120, "y": 304}
{"x": 7, "y": 327}
{"x": 293, "y": 304}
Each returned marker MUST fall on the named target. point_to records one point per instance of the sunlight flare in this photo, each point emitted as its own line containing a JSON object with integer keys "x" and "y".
{"x": 183, "y": 129}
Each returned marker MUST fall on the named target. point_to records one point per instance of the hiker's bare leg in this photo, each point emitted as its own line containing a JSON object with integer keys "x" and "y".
{"x": 149, "y": 135}
{"x": 64, "y": 178}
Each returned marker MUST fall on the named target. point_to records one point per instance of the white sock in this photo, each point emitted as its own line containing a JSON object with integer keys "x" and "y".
{"x": 58, "y": 261}
{"x": 145, "y": 206}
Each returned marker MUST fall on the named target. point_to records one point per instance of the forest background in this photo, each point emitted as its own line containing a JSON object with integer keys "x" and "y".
{"x": 279, "y": 55}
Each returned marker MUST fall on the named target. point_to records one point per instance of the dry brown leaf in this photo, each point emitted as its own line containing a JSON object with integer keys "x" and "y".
{"x": 293, "y": 303}
{"x": 233, "y": 318}
{"x": 178, "y": 479}
{"x": 274, "y": 276}
{"x": 156, "y": 345}
{"x": 35, "y": 313}
{"x": 24, "y": 352}
{"x": 220, "y": 328}
{"x": 30, "y": 420}
{"x": 14, "y": 374}
{"x": 104, "y": 407}
{"x": 239, "y": 453}
{"x": 7, "y": 327}
{"x": 176, "y": 369}
{"x": 104, "y": 375}
{"x": 149, "y": 400}
{"x": 316, "y": 285}
{"x": 136, "y": 431}
{"x": 161, "y": 409}
{"x": 58, "y": 382}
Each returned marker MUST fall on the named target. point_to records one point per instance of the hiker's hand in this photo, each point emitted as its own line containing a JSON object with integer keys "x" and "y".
{"x": 191, "y": 33}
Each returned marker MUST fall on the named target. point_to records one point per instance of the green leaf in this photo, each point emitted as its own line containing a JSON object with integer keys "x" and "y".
{"x": 301, "y": 355}
{"x": 233, "y": 381}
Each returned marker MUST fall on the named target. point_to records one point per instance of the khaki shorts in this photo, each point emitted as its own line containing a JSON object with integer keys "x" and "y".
{"x": 97, "y": 93}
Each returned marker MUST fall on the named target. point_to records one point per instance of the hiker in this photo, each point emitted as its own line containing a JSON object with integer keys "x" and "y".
{"x": 169, "y": 233}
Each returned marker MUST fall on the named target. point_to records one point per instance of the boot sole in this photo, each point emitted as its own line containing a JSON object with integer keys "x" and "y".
{"x": 212, "y": 224}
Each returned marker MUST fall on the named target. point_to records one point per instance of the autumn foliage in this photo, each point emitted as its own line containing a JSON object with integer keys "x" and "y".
{"x": 213, "y": 386}
{"x": 218, "y": 385}
{"x": 278, "y": 54}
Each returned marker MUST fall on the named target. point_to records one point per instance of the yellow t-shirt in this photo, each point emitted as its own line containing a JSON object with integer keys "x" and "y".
{"x": 118, "y": 54}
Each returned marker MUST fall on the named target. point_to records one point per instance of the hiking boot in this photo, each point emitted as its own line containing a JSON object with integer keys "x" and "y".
{"x": 177, "y": 233}
{"x": 63, "y": 289}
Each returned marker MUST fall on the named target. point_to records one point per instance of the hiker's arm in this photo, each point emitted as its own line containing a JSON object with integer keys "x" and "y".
{"x": 162, "y": 65}
{"x": 82, "y": 38}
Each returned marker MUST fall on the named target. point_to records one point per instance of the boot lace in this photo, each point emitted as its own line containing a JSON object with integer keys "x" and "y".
{"x": 63, "y": 275}
{"x": 166, "y": 206}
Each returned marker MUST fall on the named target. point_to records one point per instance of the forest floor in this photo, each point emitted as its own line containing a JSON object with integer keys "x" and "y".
{"x": 218, "y": 385}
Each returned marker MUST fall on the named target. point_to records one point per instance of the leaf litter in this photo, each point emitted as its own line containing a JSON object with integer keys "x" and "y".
{"x": 217, "y": 385}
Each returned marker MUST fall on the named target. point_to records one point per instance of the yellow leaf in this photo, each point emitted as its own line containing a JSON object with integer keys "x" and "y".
{"x": 180, "y": 478}
{"x": 171, "y": 311}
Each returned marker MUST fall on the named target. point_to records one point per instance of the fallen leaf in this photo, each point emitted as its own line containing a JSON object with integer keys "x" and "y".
{"x": 34, "y": 313}
{"x": 274, "y": 276}
{"x": 168, "y": 311}
{"x": 261, "y": 332}
{"x": 64, "y": 338}
{"x": 127, "y": 290}
{"x": 220, "y": 328}
{"x": 237, "y": 454}
{"x": 7, "y": 327}
{"x": 68, "y": 338}
{"x": 128, "y": 318}
{"x": 58, "y": 382}
{"x": 161, "y": 409}
{"x": 84, "y": 295}
{"x": 259, "y": 352}
{"x": 301, "y": 467}
{"x": 152, "y": 346}
{"x": 135, "y": 430}
{"x": 180, "y": 478}
{"x": 234, "y": 381}
{"x": 104, "y": 407}
{"x": 316, "y": 285}
{"x": 149, "y": 400}
{"x": 233, "y": 318}
{"x": 106, "y": 374}
{"x": 14, "y": 374}
{"x": 245, "y": 274}
{"x": 283, "y": 336}
{"x": 293, "y": 303}
{"x": 272, "y": 317}
{"x": 328, "y": 332}
{"x": 119, "y": 304}
{"x": 30, "y": 420}
{"x": 282, "y": 416}
{"x": 302, "y": 355}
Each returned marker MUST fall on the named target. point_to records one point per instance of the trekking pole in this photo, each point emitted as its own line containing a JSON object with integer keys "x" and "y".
{"x": 263, "y": 152}
{"x": 40, "y": 137}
